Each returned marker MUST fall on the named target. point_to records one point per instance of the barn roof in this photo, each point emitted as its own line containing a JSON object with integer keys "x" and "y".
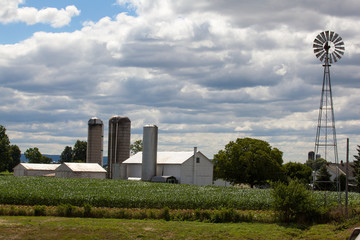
{"x": 342, "y": 168}
{"x": 82, "y": 167}
{"x": 38, "y": 166}
{"x": 162, "y": 158}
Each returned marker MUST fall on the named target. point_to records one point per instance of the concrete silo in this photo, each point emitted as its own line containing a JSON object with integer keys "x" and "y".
{"x": 149, "y": 155}
{"x": 118, "y": 145}
{"x": 94, "y": 151}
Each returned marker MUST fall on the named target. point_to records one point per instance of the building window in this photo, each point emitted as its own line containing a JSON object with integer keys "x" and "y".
{"x": 197, "y": 160}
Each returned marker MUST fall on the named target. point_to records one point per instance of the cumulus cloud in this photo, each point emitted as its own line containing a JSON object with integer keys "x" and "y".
{"x": 205, "y": 72}
{"x": 11, "y": 12}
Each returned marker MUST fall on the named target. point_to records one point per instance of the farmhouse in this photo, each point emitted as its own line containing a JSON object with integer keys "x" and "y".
{"x": 35, "y": 169}
{"x": 80, "y": 170}
{"x": 181, "y": 165}
{"x": 341, "y": 168}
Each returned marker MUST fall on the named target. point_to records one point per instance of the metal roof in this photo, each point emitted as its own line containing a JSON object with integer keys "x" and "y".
{"x": 162, "y": 158}
{"x": 95, "y": 121}
{"x": 39, "y": 166}
{"x": 84, "y": 167}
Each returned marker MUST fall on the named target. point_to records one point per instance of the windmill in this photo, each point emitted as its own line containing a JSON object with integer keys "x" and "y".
{"x": 329, "y": 48}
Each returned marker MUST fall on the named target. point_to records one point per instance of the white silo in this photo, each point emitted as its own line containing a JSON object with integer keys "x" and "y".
{"x": 94, "y": 151}
{"x": 118, "y": 145}
{"x": 149, "y": 155}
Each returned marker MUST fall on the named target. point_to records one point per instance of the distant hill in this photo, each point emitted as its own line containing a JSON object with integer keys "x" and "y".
{"x": 56, "y": 158}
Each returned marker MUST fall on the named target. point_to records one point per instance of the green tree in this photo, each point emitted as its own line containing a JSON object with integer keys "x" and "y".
{"x": 323, "y": 179}
{"x": 15, "y": 157}
{"x": 136, "y": 147}
{"x": 356, "y": 166}
{"x": 249, "y": 161}
{"x": 315, "y": 164}
{"x": 79, "y": 151}
{"x": 293, "y": 202}
{"x": 35, "y": 156}
{"x": 66, "y": 155}
{"x": 45, "y": 159}
{"x": 342, "y": 179}
{"x": 298, "y": 171}
{"x": 5, "y": 150}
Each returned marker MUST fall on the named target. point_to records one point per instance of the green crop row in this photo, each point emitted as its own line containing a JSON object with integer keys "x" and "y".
{"x": 134, "y": 194}
{"x": 204, "y": 215}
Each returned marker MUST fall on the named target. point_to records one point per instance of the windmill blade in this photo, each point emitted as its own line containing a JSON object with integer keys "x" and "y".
{"x": 327, "y": 35}
{"x": 331, "y": 35}
{"x": 342, "y": 48}
{"x": 335, "y": 37}
{"x": 338, "y": 40}
{"x": 317, "y": 46}
{"x": 322, "y": 57}
{"x": 316, "y": 50}
{"x": 339, "y": 51}
{"x": 340, "y": 43}
{"x": 323, "y": 36}
{"x": 320, "y": 53}
{"x": 330, "y": 58}
{"x": 334, "y": 57}
{"x": 337, "y": 55}
{"x": 316, "y": 41}
{"x": 319, "y": 37}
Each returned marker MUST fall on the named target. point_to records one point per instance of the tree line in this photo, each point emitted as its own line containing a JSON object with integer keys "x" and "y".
{"x": 243, "y": 161}
{"x": 10, "y": 155}
{"x": 254, "y": 162}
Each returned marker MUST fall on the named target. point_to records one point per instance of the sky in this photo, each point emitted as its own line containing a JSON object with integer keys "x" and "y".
{"x": 205, "y": 72}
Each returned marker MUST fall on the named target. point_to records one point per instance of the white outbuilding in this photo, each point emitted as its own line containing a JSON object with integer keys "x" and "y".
{"x": 80, "y": 170}
{"x": 35, "y": 169}
{"x": 186, "y": 168}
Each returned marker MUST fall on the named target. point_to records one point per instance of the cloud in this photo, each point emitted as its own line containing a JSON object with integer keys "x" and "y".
{"x": 204, "y": 72}
{"x": 11, "y": 12}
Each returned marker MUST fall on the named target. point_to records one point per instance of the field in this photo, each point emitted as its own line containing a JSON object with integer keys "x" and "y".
{"x": 197, "y": 212}
{"x": 132, "y": 194}
{"x": 86, "y": 228}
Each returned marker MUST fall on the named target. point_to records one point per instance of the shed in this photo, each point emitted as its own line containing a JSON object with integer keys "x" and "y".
{"x": 35, "y": 169}
{"x": 80, "y": 170}
{"x": 181, "y": 165}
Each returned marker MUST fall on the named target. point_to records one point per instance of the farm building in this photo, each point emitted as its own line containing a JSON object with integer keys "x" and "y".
{"x": 80, "y": 170}
{"x": 341, "y": 167}
{"x": 178, "y": 164}
{"x": 35, "y": 169}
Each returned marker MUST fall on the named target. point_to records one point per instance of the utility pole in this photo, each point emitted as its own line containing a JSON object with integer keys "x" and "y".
{"x": 347, "y": 176}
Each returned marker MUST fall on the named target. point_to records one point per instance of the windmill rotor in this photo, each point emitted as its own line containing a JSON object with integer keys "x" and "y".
{"x": 328, "y": 43}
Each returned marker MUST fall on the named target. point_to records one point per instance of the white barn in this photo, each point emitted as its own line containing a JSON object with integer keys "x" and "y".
{"x": 80, "y": 170}
{"x": 178, "y": 164}
{"x": 35, "y": 169}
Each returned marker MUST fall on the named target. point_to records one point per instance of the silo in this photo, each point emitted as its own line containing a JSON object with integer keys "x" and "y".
{"x": 311, "y": 155}
{"x": 149, "y": 155}
{"x": 94, "y": 151}
{"x": 118, "y": 145}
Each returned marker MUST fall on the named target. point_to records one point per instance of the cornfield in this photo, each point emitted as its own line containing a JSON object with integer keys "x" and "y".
{"x": 133, "y": 194}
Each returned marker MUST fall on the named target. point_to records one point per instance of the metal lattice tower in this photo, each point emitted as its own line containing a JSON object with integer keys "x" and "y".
{"x": 328, "y": 47}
